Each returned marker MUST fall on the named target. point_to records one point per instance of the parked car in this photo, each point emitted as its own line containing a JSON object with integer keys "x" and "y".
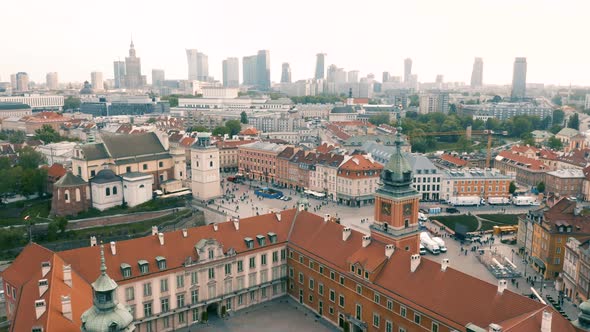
{"x": 451, "y": 210}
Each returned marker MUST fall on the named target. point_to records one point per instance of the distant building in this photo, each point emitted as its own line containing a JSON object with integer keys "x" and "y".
{"x": 14, "y": 110}
{"x": 263, "y": 70}
{"x": 503, "y": 111}
{"x": 231, "y": 73}
{"x": 286, "y": 73}
{"x": 352, "y": 77}
{"x": 519, "y": 79}
{"x": 320, "y": 66}
{"x": 357, "y": 180}
{"x": 22, "y": 82}
{"x": 434, "y": 102}
{"x": 119, "y": 70}
{"x": 257, "y": 160}
{"x": 587, "y": 102}
{"x": 133, "y": 78}
{"x": 386, "y": 77}
{"x": 439, "y": 79}
{"x": 198, "y": 65}
{"x": 407, "y": 70}
{"x": 477, "y": 73}
{"x": 565, "y": 182}
{"x": 158, "y": 77}
{"x": 97, "y": 81}
{"x": 474, "y": 182}
{"x": 249, "y": 72}
{"x": 51, "y": 81}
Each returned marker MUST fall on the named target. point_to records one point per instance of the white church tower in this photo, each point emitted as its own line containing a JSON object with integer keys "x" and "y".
{"x": 205, "y": 168}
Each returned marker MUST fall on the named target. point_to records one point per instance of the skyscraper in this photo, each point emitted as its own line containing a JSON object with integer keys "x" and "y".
{"x": 249, "y": 69}
{"x": 133, "y": 77}
{"x": 51, "y": 81}
{"x": 286, "y": 73}
{"x": 119, "y": 69}
{"x": 97, "y": 81}
{"x": 22, "y": 81}
{"x": 13, "y": 81}
{"x": 231, "y": 73}
{"x": 263, "y": 70}
{"x": 407, "y": 70}
{"x": 519, "y": 79}
{"x": 198, "y": 65}
{"x": 386, "y": 77}
{"x": 439, "y": 79}
{"x": 191, "y": 58}
{"x": 477, "y": 73}
{"x": 319, "y": 65}
{"x": 158, "y": 77}
{"x": 353, "y": 76}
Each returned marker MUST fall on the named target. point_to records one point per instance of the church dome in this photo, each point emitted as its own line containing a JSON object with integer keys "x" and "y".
{"x": 398, "y": 169}
{"x": 105, "y": 175}
{"x": 87, "y": 89}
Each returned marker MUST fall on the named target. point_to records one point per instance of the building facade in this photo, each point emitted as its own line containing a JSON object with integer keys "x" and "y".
{"x": 206, "y": 181}
{"x": 474, "y": 182}
{"x": 357, "y": 180}
{"x": 231, "y": 73}
{"x": 434, "y": 102}
{"x": 51, "y": 81}
{"x": 519, "y": 79}
{"x": 477, "y": 73}
{"x": 133, "y": 78}
{"x": 565, "y": 182}
{"x": 37, "y": 102}
{"x": 258, "y": 161}
{"x": 576, "y": 269}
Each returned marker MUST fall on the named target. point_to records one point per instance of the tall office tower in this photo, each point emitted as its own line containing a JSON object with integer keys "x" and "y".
{"x": 13, "y": 81}
{"x": 231, "y": 73}
{"x": 249, "y": 69}
{"x": 97, "y": 81}
{"x": 386, "y": 77}
{"x": 263, "y": 70}
{"x": 51, "y": 81}
{"x": 353, "y": 76}
{"x": 477, "y": 73}
{"x": 439, "y": 79}
{"x": 22, "y": 81}
{"x": 319, "y": 65}
{"x": 191, "y": 58}
{"x": 519, "y": 79}
{"x": 407, "y": 70}
{"x": 202, "y": 67}
{"x": 133, "y": 77}
{"x": 119, "y": 69}
{"x": 158, "y": 77}
{"x": 286, "y": 73}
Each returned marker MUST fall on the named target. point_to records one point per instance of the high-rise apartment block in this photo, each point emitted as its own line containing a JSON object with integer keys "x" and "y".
{"x": 198, "y": 65}
{"x": 519, "y": 79}
{"x": 119, "y": 70}
{"x": 386, "y": 77}
{"x": 97, "y": 81}
{"x": 407, "y": 70}
{"x": 434, "y": 102}
{"x": 51, "y": 81}
{"x": 319, "y": 65}
{"x": 249, "y": 69}
{"x": 477, "y": 73}
{"x": 158, "y": 77}
{"x": 231, "y": 73}
{"x": 263, "y": 70}
{"x": 22, "y": 81}
{"x": 352, "y": 76}
{"x": 286, "y": 73}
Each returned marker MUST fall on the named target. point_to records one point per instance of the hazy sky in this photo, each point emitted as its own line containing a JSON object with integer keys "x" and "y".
{"x": 441, "y": 36}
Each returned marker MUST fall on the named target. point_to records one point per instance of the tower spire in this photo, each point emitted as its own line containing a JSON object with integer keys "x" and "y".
{"x": 103, "y": 265}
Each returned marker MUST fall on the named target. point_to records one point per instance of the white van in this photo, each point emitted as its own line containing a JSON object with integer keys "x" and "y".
{"x": 422, "y": 250}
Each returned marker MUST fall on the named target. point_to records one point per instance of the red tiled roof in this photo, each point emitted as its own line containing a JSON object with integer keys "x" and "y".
{"x": 187, "y": 141}
{"x": 56, "y": 170}
{"x": 251, "y": 131}
{"x": 454, "y": 160}
{"x": 334, "y": 129}
{"x": 324, "y": 148}
{"x": 523, "y": 161}
{"x": 359, "y": 163}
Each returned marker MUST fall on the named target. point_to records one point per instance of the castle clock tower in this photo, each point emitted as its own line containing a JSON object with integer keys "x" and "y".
{"x": 396, "y": 204}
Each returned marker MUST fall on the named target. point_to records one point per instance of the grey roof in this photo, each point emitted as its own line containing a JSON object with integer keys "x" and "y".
{"x": 134, "y": 175}
{"x": 95, "y": 151}
{"x": 119, "y": 146}
{"x": 271, "y": 147}
{"x": 343, "y": 109}
{"x": 13, "y": 106}
{"x": 569, "y": 132}
{"x": 69, "y": 180}
{"x": 418, "y": 161}
{"x": 106, "y": 176}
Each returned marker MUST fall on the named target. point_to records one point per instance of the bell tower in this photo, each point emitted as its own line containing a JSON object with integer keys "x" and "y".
{"x": 397, "y": 204}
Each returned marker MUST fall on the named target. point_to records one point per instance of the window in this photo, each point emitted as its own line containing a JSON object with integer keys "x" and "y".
{"x": 211, "y": 273}
{"x": 417, "y": 318}
{"x": 341, "y": 280}
{"x": 301, "y": 259}
{"x": 161, "y": 262}
{"x": 321, "y": 269}
{"x": 389, "y": 305}
{"x": 195, "y": 315}
{"x": 195, "y": 296}
{"x": 388, "y": 326}
{"x": 180, "y": 300}
{"x": 377, "y": 298}
{"x": 366, "y": 275}
{"x": 147, "y": 289}
{"x": 341, "y": 301}
{"x": 165, "y": 305}
{"x": 129, "y": 293}
{"x": 310, "y": 298}
{"x": 283, "y": 254}
{"x": 114, "y": 190}
{"x": 332, "y": 275}
{"x": 290, "y": 254}
{"x": 252, "y": 262}
{"x": 434, "y": 327}
{"x": 126, "y": 272}
{"x": 359, "y": 312}
{"x": 166, "y": 322}
{"x": 320, "y": 288}
{"x": 275, "y": 256}
{"x": 300, "y": 278}
{"x": 376, "y": 320}
{"x": 211, "y": 254}
{"x": 107, "y": 191}
{"x": 263, "y": 259}
{"x": 160, "y": 164}
{"x": 210, "y": 164}
{"x": 359, "y": 289}
{"x": 311, "y": 266}
{"x": 179, "y": 280}
{"x": 163, "y": 285}
{"x": 128, "y": 169}
{"x": 147, "y": 309}
{"x": 311, "y": 283}
{"x": 143, "y": 267}
{"x": 290, "y": 272}
{"x": 402, "y": 311}
{"x": 331, "y": 310}
{"x": 144, "y": 167}
{"x": 181, "y": 318}
{"x": 194, "y": 278}
{"x": 79, "y": 171}
{"x": 228, "y": 269}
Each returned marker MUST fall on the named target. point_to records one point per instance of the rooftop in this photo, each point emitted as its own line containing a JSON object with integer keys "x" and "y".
{"x": 567, "y": 173}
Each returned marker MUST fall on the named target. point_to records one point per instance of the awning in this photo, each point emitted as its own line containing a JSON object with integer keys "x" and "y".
{"x": 539, "y": 262}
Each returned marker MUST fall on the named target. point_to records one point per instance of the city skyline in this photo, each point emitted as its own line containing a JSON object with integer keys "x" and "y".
{"x": 291, "y": 41}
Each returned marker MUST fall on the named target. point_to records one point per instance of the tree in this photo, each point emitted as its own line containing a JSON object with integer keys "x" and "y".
{"x": 29, "y": 158}
{"x": 554, "y": 143}
{"x": 574, "y": 122}
{"x": 558, "y": 116}
{"x": 528, "y": 139}
{"x": 244, "y": 117}
{"x": 452, "y": 109}
{"x": 200, "y": 129}
{"x": 556, "y": 100}
{"x": 151, "y": 120}
{"x": 512, "y": 187}
{"x": 414, "y": 101}
{"x": 233, "y": 127}
{"x": 220, "y": 131}
{"x": 496, "y": 99}
{"x": 464, "y": 144}
{"x": 379, "y": 119}
{"x": 541, "y": 187}
{"x": 72, "y": 103}
{"x": 47, "y": 134}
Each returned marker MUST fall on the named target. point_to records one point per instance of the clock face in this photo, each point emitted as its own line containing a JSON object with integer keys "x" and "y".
{"x": 386, "y": 208}
{"x": 407, "y": 209}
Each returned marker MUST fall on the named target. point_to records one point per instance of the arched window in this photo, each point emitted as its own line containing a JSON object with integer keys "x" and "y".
{"x": 142, "y": 186}
{"x": 407, "y": 223}
{"x": 114, "y": 190}
{"x": 67, "y": 196}
{"x": 197, "y": 163}
{"x": 211, "y": 164}
{"x": 108, "y": 191}
{"x": 78, "y": 197}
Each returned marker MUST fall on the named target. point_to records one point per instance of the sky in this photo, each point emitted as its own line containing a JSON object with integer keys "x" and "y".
{"x": 75, "y": 37}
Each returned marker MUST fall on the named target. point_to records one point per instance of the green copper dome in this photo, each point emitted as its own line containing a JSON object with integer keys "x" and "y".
{"x": 396, "y": 177}
{"x": 583, "y": 321}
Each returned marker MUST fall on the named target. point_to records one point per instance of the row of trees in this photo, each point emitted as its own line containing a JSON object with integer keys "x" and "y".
{"x": 25, "y": 178}
{"x": 231, "y": 127}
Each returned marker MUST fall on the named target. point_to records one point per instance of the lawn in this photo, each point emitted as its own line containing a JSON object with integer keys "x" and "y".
{"x": 151, "y": 205}
{"x": 506, "y": 219}
{"x": 13, "y": 213}
{"x": 468, "y": 223}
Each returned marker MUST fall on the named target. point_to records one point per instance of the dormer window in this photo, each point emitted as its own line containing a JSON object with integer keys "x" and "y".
{"x": 366, "y": 275}
{"x": 249, "y": 242}
{"x": 211, "y": 254}
{"x": 37, "y": 329}
{"x": 272, "y": 237}
{"x": 126, "y": 270}
{"x": 261, "y": 240}
{"x": 352, "y": 269}
{"x": 161, "y": 261}
{"x": 143, "y": 266}
{"x": 359, "y": 271}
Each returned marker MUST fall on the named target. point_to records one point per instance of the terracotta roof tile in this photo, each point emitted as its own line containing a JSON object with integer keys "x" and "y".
{"x": 454, "y": 160}
{"x": 523, "y": 161}
{"x": 56, "y": 170}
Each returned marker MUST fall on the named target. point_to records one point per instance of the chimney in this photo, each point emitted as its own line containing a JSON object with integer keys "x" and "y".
{"x": 546, "y": 321}
{"x": 444, "y": 264}
{"x": 154, "y": 230}
{"x": 236, "y": 222}
{"x": 161, "y": 238}
{"x": 66, "y": 307}
{"x": 494, "y": 328}
{"x": 93, "y": 241}
{"x": 45, "y": 267}
{"x": 278, "y": 215}
{"x": 113, "y": 248}
{"x": 68, "y": 275}
{"x": 389, "y": 249}
{"x": 301, "y": 207}
{"x": 215, "y": 227}
{"x": 184, "y": 232}
{"x": 414, "y": 262}
{"x": 40, "y": 308}
{"x": 502, "y": 284}
{"x": 43, "y": 286}
{"x": 346, "y": 233}
{"x": 326, "y": 217}
{"x": 366, "y": 241}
